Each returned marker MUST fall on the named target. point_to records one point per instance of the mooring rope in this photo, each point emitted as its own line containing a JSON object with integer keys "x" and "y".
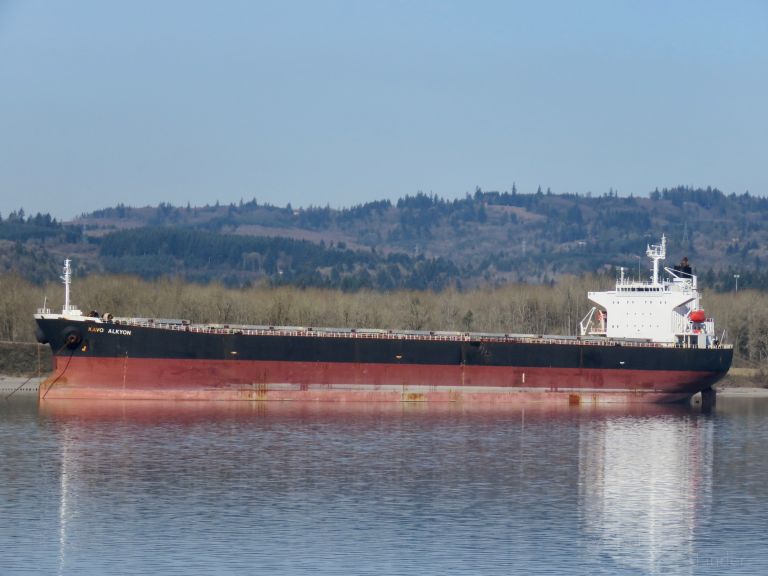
{"x": 60, "y": 375}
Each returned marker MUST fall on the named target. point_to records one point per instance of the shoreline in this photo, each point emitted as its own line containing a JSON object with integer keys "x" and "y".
{"x": 742, "y": 392}
{"x": 9, "y": 385}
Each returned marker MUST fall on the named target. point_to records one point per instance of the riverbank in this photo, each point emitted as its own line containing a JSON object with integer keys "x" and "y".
{"x": 25, "y": 359}
{"x": 742, "y": 378}
{"x": 743, "y": 392}
{"x": 17, "y": 385}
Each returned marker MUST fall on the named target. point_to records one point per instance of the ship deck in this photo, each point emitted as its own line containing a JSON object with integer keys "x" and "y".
{"x": 383, "y": 334}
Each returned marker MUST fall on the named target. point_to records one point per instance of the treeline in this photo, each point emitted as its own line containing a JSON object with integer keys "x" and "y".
{"x": 507, "y": 236}
{"x": 510, "y": 309}
{"x": 530, "y": 309}
{"x": 18, "y": 227}
{"x": 709, "y": 197}
{"x": 239, "y": 260}
{"x": 421, "y": 241}
{"x": 575, "y": 214}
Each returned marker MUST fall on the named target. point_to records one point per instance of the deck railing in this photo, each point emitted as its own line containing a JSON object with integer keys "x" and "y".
{"x": 386, "y": 335}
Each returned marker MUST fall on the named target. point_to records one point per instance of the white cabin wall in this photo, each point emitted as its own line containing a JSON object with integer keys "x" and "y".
{"x": 652, "y": 315}
{"x": 642, "y": 315}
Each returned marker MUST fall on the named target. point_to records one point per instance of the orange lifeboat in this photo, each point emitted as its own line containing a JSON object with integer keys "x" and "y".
{"x": 697, "y": 316}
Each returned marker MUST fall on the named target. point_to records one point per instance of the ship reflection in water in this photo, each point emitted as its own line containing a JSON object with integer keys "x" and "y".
{"x": 409, "y": 489}
{"x": 642, "y": 484}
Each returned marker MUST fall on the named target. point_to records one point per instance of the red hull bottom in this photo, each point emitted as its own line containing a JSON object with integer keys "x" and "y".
{"x": 163, "y": 379}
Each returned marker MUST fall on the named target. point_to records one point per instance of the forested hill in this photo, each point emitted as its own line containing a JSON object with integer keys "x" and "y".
{"x": 421, "y": 241}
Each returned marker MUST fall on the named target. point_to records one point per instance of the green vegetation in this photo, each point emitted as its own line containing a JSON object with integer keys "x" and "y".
{"x": 17, "y": 227}
{"x": 202, "y": 256}
{"x": 422, "y": 241}
{"x": 25, "y": 359}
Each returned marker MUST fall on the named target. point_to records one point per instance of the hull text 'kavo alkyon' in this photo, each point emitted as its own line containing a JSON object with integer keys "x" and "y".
{"x": 644, "y": 341}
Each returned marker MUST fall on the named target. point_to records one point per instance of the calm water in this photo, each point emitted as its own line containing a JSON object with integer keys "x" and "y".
{"x": 238, "y": 488}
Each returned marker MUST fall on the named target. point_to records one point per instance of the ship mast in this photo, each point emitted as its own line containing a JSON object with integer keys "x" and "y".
{"x": 67, "y": 279}
{"x": 657, "y": 252}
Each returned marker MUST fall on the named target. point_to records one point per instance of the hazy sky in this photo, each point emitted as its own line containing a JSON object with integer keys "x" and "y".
{"x": 342, "y": 102}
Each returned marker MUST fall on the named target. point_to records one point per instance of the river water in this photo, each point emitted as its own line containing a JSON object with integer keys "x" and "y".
{"x": 249, "y": 488}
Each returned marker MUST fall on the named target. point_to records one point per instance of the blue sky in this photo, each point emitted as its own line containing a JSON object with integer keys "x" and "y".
{"x": 342, "y": 102}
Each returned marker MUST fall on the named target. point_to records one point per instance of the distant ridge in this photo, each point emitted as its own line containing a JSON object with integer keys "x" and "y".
{"x": 421, "y": 241}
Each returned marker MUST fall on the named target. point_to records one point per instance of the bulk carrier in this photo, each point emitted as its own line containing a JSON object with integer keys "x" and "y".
{"x": 643, "y": 341}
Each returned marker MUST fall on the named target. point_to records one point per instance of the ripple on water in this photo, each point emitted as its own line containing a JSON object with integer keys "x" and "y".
{"x": 232, "y": 488}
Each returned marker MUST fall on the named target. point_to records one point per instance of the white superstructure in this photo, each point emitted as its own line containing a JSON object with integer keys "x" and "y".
{"x": 663, "y": 309}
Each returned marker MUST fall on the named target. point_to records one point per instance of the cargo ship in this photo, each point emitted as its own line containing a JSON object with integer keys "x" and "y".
{"x": 644, "y": 341}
